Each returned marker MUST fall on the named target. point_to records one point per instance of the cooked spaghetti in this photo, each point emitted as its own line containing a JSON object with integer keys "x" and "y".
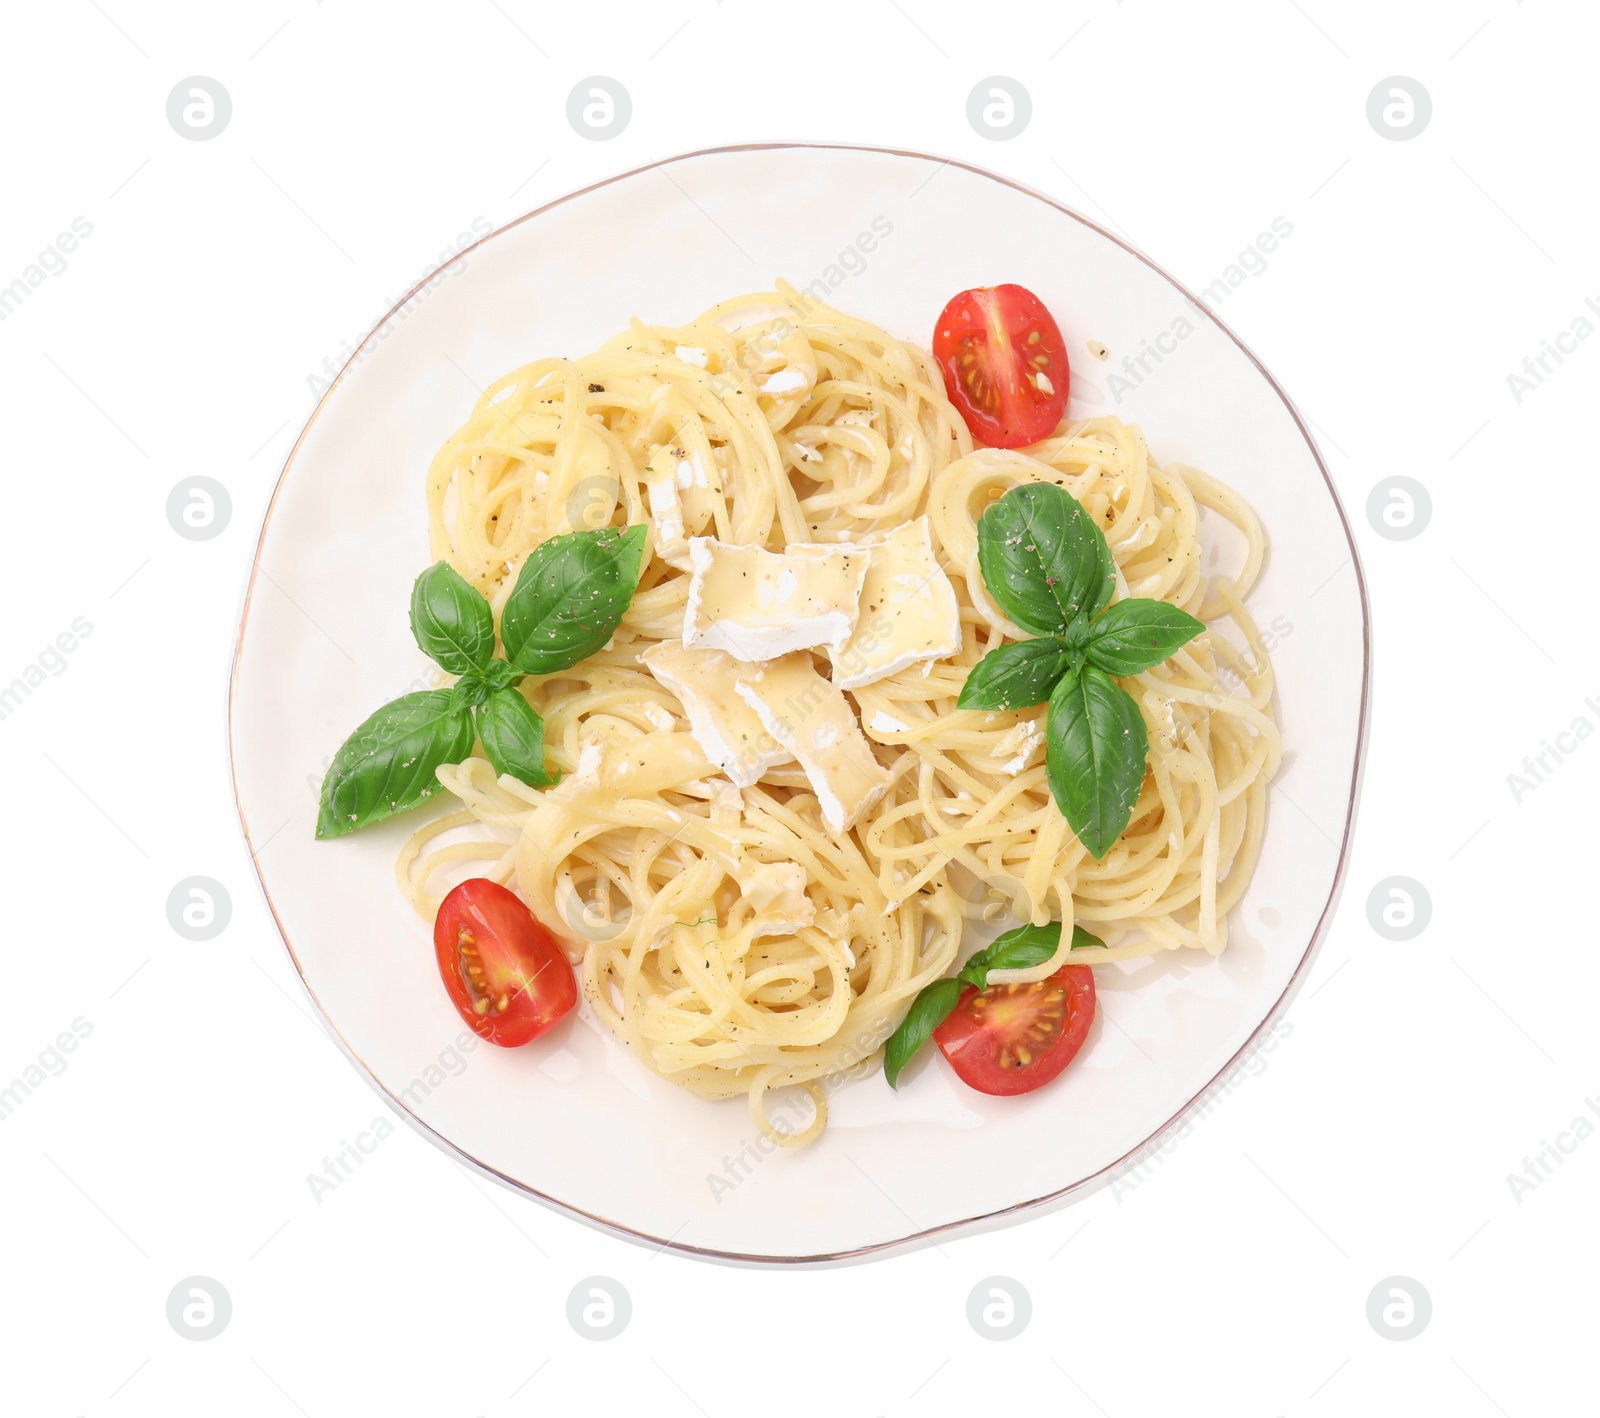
{"x": 729, "y": 935}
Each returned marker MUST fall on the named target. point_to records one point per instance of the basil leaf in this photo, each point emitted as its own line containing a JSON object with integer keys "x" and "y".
{"x": 452, "y": 623}
{"x": 1134, "y": 635}
{"x": 388, "y": 764}
{"x": 1015, "y": 676}
{"x": 932, "y": 1006}
{"x": 1022, "y": 948}
{"x": 513, "y": 737}
{"x": 570, "y": 597}
{"x": 1015, "y": 950}
{"x": 1095, "y": 750}
{"x": 1044, "y": 561}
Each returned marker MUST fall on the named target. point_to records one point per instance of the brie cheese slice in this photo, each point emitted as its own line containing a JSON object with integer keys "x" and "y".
{"x": 727, "y": 729}
{"x": 908, "y": 612}
{"x": 814, "y": 721}
{"x": 758, "y": 605}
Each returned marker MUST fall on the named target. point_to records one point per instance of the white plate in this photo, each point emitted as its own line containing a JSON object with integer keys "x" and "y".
{"x": 574, "y": 1119}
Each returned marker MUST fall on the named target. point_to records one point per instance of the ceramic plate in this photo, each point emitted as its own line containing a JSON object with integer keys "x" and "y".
{"x": 574, "y": 1119}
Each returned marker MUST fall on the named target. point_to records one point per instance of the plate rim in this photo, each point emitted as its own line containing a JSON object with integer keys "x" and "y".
{"x": 1074, "y": 1191}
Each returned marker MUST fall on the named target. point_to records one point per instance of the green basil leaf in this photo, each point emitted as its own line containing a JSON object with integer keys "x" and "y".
{"x": 932, "y": 1006}
{"x": 1095, "y": 751}
{"x": 1015, "y": 950}
{"x": 1015, "y": 676}
{"x": 1022, "y": 948}
{"x": 1134, "y": 635}
{"x": 452, "y": 622}
{"x": 498, "y": 674}
{"x": 513, "y": 737}
{"x": 570, "y": 597}
{"x": 471, "y": 690}
{"x": 388, "y": 764}
{"x": 1044, "y": 561}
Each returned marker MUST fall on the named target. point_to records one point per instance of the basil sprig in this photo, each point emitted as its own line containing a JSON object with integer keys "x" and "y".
{"x": 1047, "y": 566}
{"x": 1015, "y": 950}
{"x": 570, "y": 597}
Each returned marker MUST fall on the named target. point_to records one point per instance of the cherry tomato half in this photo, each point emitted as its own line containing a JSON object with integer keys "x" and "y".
{"x": 1014, "y": 1038}
{"x": 505, "y": 973}
{"x": 1004, "y": 363}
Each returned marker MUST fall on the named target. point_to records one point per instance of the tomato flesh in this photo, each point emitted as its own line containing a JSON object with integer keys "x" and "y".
{"x": 1004, "y": 363}
{"x": 505, "y": 973}
{"x": 1012, "y": 1039}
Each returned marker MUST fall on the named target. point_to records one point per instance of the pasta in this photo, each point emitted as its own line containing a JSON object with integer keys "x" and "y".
{"x": 780, "y": 421}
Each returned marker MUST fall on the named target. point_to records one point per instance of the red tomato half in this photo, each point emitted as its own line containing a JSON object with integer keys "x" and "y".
{"x": 1005, "y": 366}
{"x": 1014, "y": 1038}
{"x": 506, "y": 975}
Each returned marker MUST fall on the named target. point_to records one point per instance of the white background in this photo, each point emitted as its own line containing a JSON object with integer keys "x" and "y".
{"x": 1233, "y": 1277}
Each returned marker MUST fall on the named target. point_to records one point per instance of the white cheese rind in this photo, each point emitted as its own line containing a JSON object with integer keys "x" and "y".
{"x": 815, "y": 722}
{"x": 729, "y": 732}
{"x": 908, "y": 611}
{"x": 758, "y": 605}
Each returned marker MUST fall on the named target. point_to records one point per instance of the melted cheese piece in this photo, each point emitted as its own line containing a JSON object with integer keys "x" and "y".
{"x": 637, "y": 767}
{"x": 758, "y": 604}
{"x": 1022, "y": 740}
{"x": 777, "y": 891}
{"x": 679, "y": 487}
{"x": 666, "y": 512}
{"x": 815, "y": 722}
{"x": 908, "y": 609}
{"x": 729, "y": 732}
